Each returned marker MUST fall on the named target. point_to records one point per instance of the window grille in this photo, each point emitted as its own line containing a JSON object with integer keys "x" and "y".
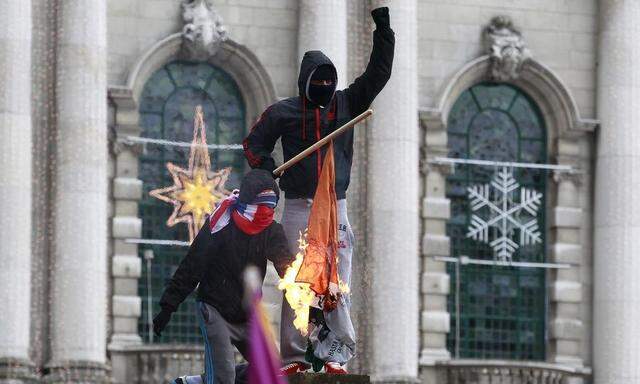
{"x": 502, "y": 309}
{"x": 167, "y": 106}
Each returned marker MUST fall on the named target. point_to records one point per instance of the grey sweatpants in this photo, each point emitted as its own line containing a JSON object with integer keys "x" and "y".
{"x": 220, "y": 337}
{"x": 337, "y": 343}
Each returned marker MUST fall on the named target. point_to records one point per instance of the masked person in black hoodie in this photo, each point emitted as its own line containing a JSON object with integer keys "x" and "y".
{"x": 300, "y": 122}
{"x": 240, "y": 232}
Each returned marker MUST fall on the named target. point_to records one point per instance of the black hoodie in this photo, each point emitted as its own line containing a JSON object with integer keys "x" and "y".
{"x": 300, "y": 122}
{"x": 215, "y": 262}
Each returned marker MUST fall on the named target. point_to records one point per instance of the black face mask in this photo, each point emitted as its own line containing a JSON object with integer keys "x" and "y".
{"x": 322, "y": 94}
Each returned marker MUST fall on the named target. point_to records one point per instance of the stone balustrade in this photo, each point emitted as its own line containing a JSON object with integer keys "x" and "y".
{"x": 509, "y": 372}
{"x": 146, "y": 364}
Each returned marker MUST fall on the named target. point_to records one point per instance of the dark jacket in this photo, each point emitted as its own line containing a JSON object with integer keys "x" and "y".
{"x": 217, "y": 262}
{"x": 300, "y": 123}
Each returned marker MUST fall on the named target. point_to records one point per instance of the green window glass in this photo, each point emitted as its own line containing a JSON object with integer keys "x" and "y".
{"x": 167, "y": 106}
{"x": 501, "y": 310}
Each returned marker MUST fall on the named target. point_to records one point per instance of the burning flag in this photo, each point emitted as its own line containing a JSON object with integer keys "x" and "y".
{"x": 312, "y": 279}
{"x": 299, "y": 295}
{"x": 320, "y": 264}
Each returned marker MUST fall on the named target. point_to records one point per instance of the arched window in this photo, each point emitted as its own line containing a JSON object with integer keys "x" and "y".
{"x": 167, "y": 106}
{"x": 500, "y": 310}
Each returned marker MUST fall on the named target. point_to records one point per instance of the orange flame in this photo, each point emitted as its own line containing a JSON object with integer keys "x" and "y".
{"x": 299, "y": 295}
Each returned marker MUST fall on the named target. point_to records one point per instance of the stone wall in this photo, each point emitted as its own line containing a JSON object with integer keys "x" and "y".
{"x": 560, "y": 34}
{"x": 267, "y": 27}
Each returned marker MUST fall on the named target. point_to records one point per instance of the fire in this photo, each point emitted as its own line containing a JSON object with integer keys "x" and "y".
{"x": 343, "y": 287}
{"x": 299, "y": 295}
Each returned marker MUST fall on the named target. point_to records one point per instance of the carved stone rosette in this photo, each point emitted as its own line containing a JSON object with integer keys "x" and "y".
{"x": 506, "y": 47}
{"x": 203, "y": 31}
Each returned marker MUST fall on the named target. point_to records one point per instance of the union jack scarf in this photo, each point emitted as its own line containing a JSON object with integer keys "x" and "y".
{"x": 251, "y": 218}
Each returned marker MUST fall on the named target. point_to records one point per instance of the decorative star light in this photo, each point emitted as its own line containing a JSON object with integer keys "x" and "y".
{"x": 505, "y": 215}
{"x": 196, "y": 190}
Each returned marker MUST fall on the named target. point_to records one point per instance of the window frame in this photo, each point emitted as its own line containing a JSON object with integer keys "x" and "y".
{"x": 541, "y": 323}
{"x": 184, "y": 327}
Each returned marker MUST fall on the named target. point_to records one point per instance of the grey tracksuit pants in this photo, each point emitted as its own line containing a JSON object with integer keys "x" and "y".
{"x": 338, "y": 345}
{"x": 219, "y": 339}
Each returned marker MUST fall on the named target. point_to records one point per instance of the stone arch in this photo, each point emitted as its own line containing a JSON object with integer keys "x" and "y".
{"x": 258, "y": 92}
{"x": 570, "y": 143}
{"x": 237, "y": 60}
{"x": 554, "y": 99}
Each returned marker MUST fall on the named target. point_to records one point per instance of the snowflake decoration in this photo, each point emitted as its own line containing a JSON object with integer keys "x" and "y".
{"x": 505, "y": 214}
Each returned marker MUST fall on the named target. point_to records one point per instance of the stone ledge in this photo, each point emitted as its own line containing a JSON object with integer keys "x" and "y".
{"x": 126, "y": 306}
{"x": 435, "y": 321}
{"x": 119, "y": 340}
{"x": 429, "y": 356}
{"x": 383, "y": 379}
{"x": 511, "y": 364}
{"x": 435, "y": 137}
{"x": 572, "y": 361}
{"x": 127, "y": 188}
{"x": 127, "y": 227}
{"x": 78, "y": 372}
{"x": 435, "y": 283}
{"x": 566, "y": 217}
{"x": 125, "y": 326}
{"x": 17, "y": 370}
{"x": 126, "y": 266}
{"x": 566, "y": 291}
{"x": 566, "y": 253}
{"x": 323, "y": 378}
{"x": 570, "y": 329}
{"x": 436, "y": 208}
{"x": 435, "y": 245}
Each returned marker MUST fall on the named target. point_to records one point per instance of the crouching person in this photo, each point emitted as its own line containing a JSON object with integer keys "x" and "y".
{"x": 240, "y": 232}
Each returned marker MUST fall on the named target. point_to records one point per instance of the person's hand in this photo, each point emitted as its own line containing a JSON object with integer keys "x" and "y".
{"x": 381, "y": 17}
{"x": 160, "y": 321}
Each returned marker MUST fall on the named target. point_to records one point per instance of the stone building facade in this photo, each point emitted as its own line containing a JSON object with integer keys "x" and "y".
{"x": 91, "y": 91}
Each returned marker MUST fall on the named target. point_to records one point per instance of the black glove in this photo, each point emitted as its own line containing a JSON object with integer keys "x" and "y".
{"x": 381, "y": 17}
{"x": 160, "y": 321}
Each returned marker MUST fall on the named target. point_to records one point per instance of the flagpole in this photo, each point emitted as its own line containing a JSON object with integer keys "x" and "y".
{"x": 278, "y": 171}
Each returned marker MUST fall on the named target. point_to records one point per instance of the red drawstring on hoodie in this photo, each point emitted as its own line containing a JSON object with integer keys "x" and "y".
{"x": 304, "y": 118}
{"x": 317, "y": 124}
{"x": 318, "y": 153}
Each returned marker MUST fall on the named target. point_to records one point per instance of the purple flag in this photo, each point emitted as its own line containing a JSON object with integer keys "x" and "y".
{"x": 264, "y": 367}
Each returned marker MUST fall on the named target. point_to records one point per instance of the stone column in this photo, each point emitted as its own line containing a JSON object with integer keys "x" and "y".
{"x": 126, "y": 265}
{"x": 79, "y": 271}
{"x": 566, "y": 288}
{"x": 15, "y": 187}
{"x": 323, "y": 26}
{"x": 616, "y": 344}
{"x": 359, "y": 48}
{"x": 434, "y": 279}
{"x": 394, "y": 209}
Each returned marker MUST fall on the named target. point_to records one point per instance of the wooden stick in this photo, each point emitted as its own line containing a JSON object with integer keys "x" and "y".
{"x": 278, "y": 171}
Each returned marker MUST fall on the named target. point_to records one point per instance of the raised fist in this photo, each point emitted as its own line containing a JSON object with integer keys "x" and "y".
{"x": 381, "y": 17}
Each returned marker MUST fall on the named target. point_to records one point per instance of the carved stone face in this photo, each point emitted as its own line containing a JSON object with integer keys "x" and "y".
{"x": 511, "y": 60}
{"x": 507, "y": 49}
{"x": 203, "y": 31}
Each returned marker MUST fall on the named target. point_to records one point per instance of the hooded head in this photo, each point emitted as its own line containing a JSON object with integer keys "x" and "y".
{"x": 318, "y": 78}
{"x": 254, "y": 182}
